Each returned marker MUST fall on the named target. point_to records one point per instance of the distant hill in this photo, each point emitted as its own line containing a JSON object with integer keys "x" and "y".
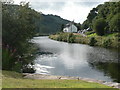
{"x": 49, "y": 24}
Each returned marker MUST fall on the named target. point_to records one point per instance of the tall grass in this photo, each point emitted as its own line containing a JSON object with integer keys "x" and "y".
{"x": 7, "y": 59}
{"x": 107, "y": 41}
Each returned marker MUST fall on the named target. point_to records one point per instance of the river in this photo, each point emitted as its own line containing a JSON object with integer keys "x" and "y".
{"x": 79, "y": 60}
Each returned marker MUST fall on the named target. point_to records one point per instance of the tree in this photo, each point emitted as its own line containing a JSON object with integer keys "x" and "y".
{"x": 99, "y": 26}
{"x": 78, "y": 25}
{"x": 92, "y": 15}
{"x": 107, "y": 11}
{"x": 85, "y": 25}
{"x": 62, "y": 27}
{"x": 7, "y": 1}
{"x": 18, "y": 26}
{"x": 115, "y": 23}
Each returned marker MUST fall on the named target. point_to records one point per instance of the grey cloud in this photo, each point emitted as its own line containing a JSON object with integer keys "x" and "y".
{"x": 87, "y": 4}
{"x": 48, "y": 5}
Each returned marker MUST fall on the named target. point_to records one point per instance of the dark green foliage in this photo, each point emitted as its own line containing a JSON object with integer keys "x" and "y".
{"x": 50, "y": 24}
{"x": 88, "y": 22}
{"x": 92, "y": 15}
{"x": 107, "y": 42}
{"x": 115, "y": 23}
{"x": 8, "y": 61}
{"x": 85, "y": 25}
{"x": 92, "y": 41}
{"x": 110, "y": 12}
{"x": 99, "y": 26}
{"x": 62, "y": 27}
{"x": 78, "y": 25}
{"x": 18, "y": 26}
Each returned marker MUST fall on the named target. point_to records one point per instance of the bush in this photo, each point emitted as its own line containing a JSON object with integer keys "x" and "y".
{"x": 71, "y": 38}
{"x": 59, "y": 38}
{"x": 92, "y": 41}
{"x": 117, "y": 34}
{"x": 107, "y": 43}
{"x": 8, "y": 61}
{"x": 99, "y": 26}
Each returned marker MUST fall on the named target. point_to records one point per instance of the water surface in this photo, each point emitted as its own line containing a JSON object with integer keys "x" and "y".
{"x": 60, "y": 58}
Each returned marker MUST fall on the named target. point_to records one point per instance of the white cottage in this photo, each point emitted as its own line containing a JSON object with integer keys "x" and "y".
{"x": 70, "y": 27}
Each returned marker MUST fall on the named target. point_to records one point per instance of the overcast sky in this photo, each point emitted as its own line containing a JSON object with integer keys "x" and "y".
{"x": 76, "y": 10}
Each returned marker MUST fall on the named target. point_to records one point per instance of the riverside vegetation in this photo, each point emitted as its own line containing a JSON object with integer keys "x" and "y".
{"x": 108, "y": 41}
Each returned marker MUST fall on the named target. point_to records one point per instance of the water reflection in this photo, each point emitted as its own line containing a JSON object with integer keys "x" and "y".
{"x": 109, "y": 68}
{"x": 59, "y": 58}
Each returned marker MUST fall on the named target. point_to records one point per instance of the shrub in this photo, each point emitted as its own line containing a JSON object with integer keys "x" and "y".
{"x": 8, "y": 61}
{"x": 92, "y": 41}
{"x": 99, "y": 26}
{"x": 117, "y": 35}
{"x": 59, "y": 38}
{"x": 107, "y": 43}
{"x": 71, "y": 38}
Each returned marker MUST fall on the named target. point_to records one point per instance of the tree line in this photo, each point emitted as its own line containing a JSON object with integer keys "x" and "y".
{"x": 104, "y": 19}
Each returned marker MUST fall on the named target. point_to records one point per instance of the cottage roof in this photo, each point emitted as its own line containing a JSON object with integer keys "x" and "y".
{"x": 69, "y": 24}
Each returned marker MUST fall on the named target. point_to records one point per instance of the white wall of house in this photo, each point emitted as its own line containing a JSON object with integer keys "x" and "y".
{"x": 71, "y": 28}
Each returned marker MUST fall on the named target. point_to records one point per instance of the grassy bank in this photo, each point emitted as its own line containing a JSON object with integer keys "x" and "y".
{"x": 12, "y": 79}
{"x": 108, "y": 41}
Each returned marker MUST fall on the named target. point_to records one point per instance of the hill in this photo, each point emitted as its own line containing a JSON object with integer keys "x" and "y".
{"x": 49, "y": 24}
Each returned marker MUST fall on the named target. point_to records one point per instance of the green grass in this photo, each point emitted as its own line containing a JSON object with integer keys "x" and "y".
{"x": 15, "y": 80}
{"x": 92, "y": 35}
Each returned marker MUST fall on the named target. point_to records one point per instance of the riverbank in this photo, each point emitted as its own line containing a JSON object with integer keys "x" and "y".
{"x": 107, "y": 41}
{"x": 12, "y": 79}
